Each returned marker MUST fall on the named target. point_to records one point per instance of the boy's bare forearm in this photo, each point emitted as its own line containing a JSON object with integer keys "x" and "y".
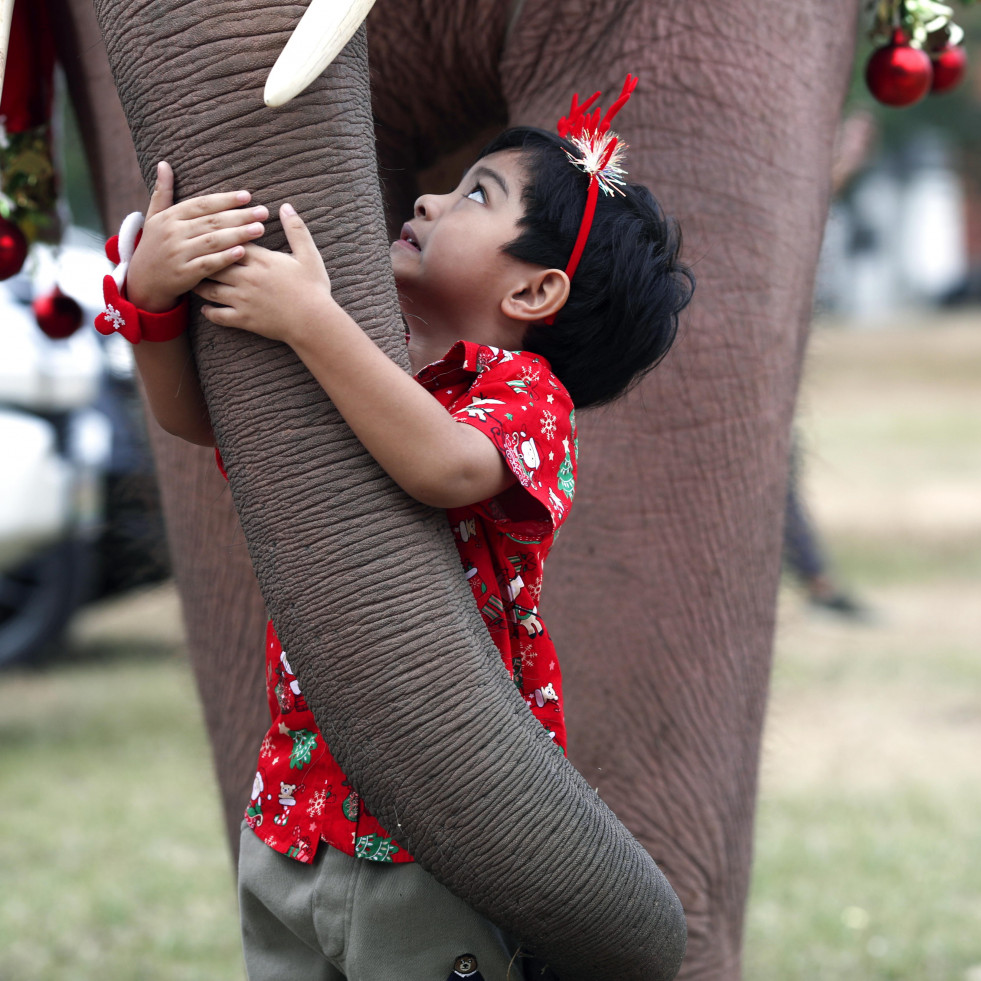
{"x": 170, "y": 380}
{"x": 437, "y": 460}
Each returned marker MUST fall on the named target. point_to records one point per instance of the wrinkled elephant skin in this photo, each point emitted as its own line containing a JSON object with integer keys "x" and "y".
{"x": 662, "y": 592}
{"x": 471, "y": 785}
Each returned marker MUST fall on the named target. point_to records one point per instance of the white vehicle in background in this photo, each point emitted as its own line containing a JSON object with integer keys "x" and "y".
{"x": 63, "y": 434}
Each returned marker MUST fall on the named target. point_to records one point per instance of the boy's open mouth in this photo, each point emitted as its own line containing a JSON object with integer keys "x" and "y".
{"x": 409, "y": 238}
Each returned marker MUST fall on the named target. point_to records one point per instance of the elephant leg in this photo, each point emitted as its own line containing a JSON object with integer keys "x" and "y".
{"x": 662, "y": 591}
{"x": 224, "y": 615}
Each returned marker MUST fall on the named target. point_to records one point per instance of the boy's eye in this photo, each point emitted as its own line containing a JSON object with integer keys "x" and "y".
{"x": 477, "y": 194}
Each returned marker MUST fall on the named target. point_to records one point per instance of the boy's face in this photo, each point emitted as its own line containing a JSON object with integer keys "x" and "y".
{"x": 449, "y": 261}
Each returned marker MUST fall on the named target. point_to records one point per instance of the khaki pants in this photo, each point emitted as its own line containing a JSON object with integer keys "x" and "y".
{"x": 348, "y": 918}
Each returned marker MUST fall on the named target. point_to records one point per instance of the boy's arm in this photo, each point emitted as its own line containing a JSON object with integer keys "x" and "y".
{"x": 433, "y": 458}
{"x": 173, "y": 391}
{"x": 287, "y": 297}
{"x": 181, "y": 245}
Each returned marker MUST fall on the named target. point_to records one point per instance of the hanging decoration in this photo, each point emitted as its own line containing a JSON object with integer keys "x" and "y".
{"x": 57, "y": 314}
{"x": 28, "y": 186}
{"x": 899, "y": 74}
{"x": 949, "y": 66}
{"x": 13, "y": 249}
{"x": 922, "y": 52}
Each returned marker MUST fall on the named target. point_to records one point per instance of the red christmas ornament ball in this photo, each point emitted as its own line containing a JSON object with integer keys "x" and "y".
{"x": 949, "y": 67}
{"x": 13, "y": 249}
{"x": 59, "y": 316}
{"x": 897, "y": 74}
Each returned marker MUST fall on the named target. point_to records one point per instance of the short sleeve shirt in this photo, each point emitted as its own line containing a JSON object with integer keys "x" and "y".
{"x": 300, "y": 796}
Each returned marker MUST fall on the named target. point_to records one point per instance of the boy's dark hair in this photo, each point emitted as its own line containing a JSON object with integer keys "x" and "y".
{"x": 622, "y": 313}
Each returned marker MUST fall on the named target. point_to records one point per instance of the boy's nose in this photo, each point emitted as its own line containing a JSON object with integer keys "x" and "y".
{"x": 425, "y": 206}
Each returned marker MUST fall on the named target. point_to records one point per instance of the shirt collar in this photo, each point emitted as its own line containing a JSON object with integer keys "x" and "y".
{"x": 463, "y": 355}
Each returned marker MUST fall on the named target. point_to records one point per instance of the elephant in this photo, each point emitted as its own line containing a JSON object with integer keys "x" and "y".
{"x": 677, "y": 526}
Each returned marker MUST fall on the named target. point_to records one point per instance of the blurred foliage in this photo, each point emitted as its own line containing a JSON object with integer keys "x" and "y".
{"x": 29, "y": 187}
{"x": 76, "y": 180}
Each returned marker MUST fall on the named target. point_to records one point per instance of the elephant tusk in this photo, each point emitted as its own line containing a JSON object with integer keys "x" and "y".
{"x": 316, "y": 41}
{"x": 6, "y": 16}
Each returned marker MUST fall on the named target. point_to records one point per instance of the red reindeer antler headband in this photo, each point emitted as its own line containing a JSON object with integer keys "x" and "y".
{"x": 600, "y": 155}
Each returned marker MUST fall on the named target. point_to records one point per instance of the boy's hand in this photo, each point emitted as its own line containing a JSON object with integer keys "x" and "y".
{"x": 187, "y": 242}
{"x": 278, "y": 295}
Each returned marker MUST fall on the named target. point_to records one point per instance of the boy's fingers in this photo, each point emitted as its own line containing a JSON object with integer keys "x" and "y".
{"x": 209, "y": 204}
{"x": 215, "y": 266}
{"x": 222, "y": 316}
{"x": 234, "y": 219}
{"x": 213, "y": 291}
{"x": 163, "y": 190}
{"x": 210, "y": 242}
{"x": 298, "y": 235}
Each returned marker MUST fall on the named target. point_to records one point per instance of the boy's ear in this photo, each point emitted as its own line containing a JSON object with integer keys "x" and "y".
{"x": 540, "y": 294}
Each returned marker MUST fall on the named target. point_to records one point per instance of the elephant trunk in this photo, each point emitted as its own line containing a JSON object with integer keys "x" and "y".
{"x": 364, "y": 583}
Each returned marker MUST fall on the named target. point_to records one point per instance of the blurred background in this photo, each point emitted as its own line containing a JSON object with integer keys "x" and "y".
{"x": 868, "y": 848}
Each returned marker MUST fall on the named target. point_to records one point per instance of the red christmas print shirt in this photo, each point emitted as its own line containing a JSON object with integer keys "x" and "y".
{"x": 301, "y": 796}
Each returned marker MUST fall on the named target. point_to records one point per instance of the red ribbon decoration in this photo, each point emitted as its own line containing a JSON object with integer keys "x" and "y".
{"x": 28, "y": 80}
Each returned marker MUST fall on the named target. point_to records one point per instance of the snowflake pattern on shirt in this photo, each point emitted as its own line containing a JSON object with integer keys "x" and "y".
{"x": 300, "y": 795}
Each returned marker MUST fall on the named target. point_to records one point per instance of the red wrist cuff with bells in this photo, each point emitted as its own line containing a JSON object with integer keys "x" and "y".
{"x": 125, "y": 318}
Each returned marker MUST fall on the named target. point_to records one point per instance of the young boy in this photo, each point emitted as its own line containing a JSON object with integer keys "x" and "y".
{"x": 525, "y": 295}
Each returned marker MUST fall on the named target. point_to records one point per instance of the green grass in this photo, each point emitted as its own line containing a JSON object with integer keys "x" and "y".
{"x": 886, "y": 885}
{"x": 111, "y": 842}
{"x": 890, "y": 560}
{"x": 868, "y": 840}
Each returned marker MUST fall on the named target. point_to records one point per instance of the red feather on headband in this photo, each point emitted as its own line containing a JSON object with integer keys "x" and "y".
{"x": 600, "y": 153}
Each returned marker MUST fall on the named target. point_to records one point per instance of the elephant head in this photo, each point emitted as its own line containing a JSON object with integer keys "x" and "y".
{"x": 409, "y": 693}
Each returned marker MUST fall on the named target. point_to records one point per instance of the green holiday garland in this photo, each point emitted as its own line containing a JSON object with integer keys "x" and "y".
{"x": 28, "y": 183}
{"x": 920, "y": 20}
